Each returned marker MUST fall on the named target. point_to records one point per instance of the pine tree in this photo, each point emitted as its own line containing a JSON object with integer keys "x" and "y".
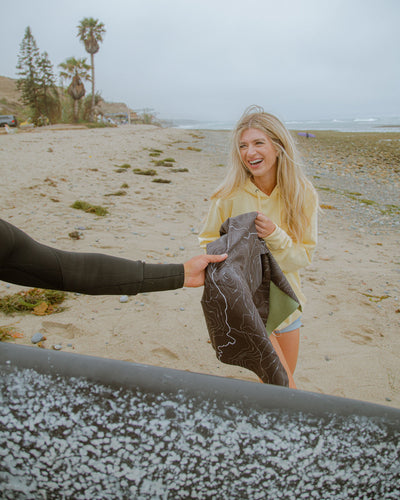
{"x": 48, "y": 94}
{"x": 37, "y": 81}
{"x": 28, "y": 83}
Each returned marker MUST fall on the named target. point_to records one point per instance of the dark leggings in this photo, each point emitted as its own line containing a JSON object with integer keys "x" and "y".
{"x": 26, "y": 262}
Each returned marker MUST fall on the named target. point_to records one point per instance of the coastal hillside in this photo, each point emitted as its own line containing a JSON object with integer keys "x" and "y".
{"x": 10, "y": 102}
{"x": 9, "y": 96}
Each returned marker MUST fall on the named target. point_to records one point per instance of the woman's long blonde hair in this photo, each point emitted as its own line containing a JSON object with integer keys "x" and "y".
{"x": 291, "y": 180}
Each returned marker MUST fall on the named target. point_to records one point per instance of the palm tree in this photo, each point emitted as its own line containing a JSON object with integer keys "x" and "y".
{"x": 78, "y": 70}
{"x": 90, "y": 32}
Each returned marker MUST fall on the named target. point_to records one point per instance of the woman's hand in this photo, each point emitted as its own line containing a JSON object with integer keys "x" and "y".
{"x": 264, "y": 225}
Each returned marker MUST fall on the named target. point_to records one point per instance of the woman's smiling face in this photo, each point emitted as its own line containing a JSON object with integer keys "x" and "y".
{"x": 258, "y": 154}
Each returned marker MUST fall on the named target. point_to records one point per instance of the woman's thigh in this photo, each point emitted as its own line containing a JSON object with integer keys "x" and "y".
{"x": 289, "y": 343}
{"x": 282, "y": 358}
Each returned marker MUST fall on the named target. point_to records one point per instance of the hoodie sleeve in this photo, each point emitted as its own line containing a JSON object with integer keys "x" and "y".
{"x": 219, "y": 211}
{"x": 292, "y": 256}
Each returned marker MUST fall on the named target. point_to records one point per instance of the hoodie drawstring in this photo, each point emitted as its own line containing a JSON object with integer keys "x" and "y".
{"x": 257, "y": 191}
{"x": 258, "y": 200}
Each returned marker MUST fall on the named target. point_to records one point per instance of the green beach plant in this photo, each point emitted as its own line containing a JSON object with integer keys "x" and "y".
{"x": 175, "y": 170}
{"x": 89, "y": 208}
{"x": 161, "y": 181}
{"x": 147, "y": 171}
{"x": 122, "y": 168}
{"x": 120, "y": 192}
{"x": 155, "y": 152}
{"x": 27, "y": 301}
{"x": 8, "y": 333}
{"x": 163, "y": 163}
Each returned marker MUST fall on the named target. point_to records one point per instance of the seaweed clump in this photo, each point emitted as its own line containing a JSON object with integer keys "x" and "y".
{"x": 122, "y": 168}
{"x": 89, "y": 208}
{"x": 147, "y": 171}
{"x": 161, "y": 181}
{"x": 35, "y": 300}
{"x": 9, "y": 333}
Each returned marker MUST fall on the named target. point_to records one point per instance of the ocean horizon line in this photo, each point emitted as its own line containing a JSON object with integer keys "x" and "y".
{"x": 356, "y": 124}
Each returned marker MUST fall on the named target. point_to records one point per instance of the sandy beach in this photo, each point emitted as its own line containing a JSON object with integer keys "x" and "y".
{"x": 350, "y": 342}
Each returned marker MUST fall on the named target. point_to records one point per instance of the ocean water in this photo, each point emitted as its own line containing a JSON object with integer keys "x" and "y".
{"x": 373, "y": 124}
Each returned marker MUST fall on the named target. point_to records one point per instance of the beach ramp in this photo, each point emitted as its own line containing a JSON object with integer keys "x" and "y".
{"x": 75, "y": 426}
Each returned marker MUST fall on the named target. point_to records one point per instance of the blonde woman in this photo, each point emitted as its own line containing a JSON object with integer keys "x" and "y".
{"x": 265, "y": 175}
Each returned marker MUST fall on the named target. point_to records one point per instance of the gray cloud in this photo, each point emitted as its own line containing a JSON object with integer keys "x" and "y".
{"x": 209, "y": 59}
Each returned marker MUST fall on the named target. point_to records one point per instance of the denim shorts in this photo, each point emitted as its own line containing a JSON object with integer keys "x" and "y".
{"x": 293, "y": 326}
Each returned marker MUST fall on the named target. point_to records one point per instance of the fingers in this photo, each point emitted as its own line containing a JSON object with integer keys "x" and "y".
{"x": 264, "y": 225}
{"x": 195, "y": 267}
{"x": 216, "y": 258}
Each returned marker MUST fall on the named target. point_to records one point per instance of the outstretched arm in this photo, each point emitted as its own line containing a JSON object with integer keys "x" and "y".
{"x": 26, "y": 262}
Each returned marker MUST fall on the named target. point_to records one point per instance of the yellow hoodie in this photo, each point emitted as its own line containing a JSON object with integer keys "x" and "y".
{"x": 290, "y": 256}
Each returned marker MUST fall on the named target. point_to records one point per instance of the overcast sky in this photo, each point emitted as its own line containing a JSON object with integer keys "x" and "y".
{"x": 210, "y": 59}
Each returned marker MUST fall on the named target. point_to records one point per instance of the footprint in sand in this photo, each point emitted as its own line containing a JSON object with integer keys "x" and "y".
{"x": 333, "y": 299}
{"x": 66, "y": 330}
{"x": 358, "y": 338}
{"x": 316, "y": 280}
{"x": 164, "y": 352}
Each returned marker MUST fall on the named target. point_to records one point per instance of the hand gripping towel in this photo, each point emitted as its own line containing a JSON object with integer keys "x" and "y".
{"x": 245, "y": 298}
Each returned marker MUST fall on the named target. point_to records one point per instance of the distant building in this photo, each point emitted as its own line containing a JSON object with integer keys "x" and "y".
{"x": 116, "y": 112}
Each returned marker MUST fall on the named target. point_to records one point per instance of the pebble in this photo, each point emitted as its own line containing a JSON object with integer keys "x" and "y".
{"x": 57, "y": 347}
{"x": 123, "y": 298}
{"x": 37, "y": 337}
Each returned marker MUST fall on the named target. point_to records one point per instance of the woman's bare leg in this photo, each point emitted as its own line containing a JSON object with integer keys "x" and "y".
{"x": 289, "y": 344}
{"x": 281, "y": 355}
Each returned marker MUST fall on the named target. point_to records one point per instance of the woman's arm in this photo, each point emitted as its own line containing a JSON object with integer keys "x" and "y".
{"x": 292, "y": 256}
{"x": 218, "y": 212}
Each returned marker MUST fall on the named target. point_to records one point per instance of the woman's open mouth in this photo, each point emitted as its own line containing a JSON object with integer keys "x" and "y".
{"x": 254, "y": 163}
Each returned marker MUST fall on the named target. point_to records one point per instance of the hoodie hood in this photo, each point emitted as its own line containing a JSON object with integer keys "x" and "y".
{"x": 250, "y": 188}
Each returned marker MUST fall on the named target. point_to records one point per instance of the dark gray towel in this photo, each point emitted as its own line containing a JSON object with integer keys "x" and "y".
{"x": 245, "y": 298}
